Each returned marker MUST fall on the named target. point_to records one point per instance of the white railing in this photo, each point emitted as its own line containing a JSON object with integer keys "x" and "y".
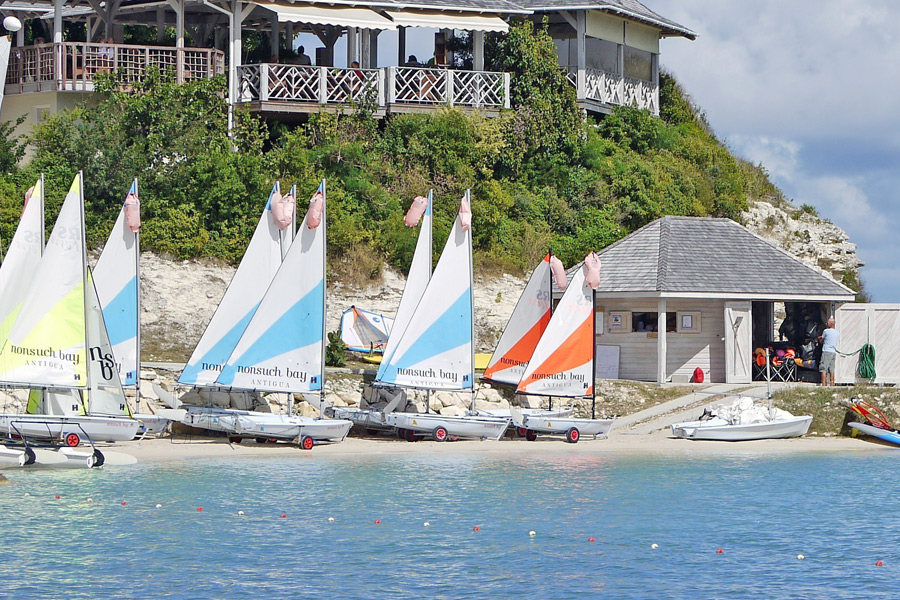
{"x": 614, "y": 89}
{"x": 73, "y": 65}
{"x": 393, "y": 85}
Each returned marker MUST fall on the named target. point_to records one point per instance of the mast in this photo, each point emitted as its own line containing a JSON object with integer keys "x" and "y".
{"x": 472, "y": 305}
{"x": 84, "y": 293}
{"x": 324, "y": 293}
{"x": 593, "y": 353}
{"x": 137, "y": 283}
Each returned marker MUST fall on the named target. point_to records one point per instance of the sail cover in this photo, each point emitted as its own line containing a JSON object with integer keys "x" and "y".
{"x": 251, "y": 280}
{"x": 116, "y": 280}
{"x": 22, "y": 259}
{"x": 563, "y": 361}
{"x": 525, "y": 327}
{"x": 46, "y": 344}
{"x": 364, "y": 331}
{"x": 282, "y": 348}
{"x": 435, "y": 350}
{"x": 416, "y": 282}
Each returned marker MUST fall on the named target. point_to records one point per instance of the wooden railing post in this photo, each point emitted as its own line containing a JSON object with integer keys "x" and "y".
{"x": 263, "y": 82}
{"x": 380, "y": 88}
{"x": 323, "y": 85}
{"x": 391, "y": 85}
{"x": 506, "y": 89}
{"x": 450, "y": 98}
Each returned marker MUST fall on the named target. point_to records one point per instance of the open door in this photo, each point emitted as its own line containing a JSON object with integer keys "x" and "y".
{"x": 738, "y": 350}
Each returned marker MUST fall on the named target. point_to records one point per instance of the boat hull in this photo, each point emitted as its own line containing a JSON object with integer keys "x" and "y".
{"x": 716, "y": 431}
{"x": 883, "y": 434}
{"x": 470, "y": 427}
{"x": 245, "y": 423}
{"x": 52, "y": 427}
{"x": 563, "y": 425}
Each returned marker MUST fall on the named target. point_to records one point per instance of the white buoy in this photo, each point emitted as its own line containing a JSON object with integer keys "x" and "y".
{"x": 159, "y": 506}
{"x": 800, "y": 557}
{"x": 331, "y": 519}
{"x": 532, "y": 533}
{"x": 426, "y": 524}
{"x": 90, "y": 500}
{"x": 654, "y": 546}
{"x": 12, "y": 24}
{"x": 240, "y": 513}
{"x": 27, "y": 494}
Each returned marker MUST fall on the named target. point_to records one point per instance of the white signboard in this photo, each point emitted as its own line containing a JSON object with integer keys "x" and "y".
{"x": 607, "y": 363}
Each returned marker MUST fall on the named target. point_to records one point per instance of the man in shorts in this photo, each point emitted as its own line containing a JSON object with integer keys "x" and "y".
{"x": 829, "y": 339}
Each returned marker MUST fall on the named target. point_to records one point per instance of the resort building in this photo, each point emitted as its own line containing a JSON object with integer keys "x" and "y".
{"x": 609, "y": 50}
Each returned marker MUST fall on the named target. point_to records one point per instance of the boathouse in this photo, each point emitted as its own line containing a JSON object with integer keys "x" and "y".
{"x": 688, "y": 292}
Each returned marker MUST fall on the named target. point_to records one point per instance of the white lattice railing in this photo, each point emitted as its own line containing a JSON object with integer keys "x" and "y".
{"x": 611, "y": 88}
{"x": 394, "y": 85}
{"x": 72, "y": 65}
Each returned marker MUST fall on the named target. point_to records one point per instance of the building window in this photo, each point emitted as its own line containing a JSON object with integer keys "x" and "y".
{"x": 649, "y": 321}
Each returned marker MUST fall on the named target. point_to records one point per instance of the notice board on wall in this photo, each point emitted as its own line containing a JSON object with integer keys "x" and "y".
{"x": 607, "y": 363}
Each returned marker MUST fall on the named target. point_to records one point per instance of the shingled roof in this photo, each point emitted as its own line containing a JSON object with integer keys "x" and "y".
{"x": 631, "y": 9}
{"x": 687, "y": 256}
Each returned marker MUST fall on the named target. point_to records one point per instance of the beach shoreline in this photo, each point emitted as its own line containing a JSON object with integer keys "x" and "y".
{"x": 180, "y": 448}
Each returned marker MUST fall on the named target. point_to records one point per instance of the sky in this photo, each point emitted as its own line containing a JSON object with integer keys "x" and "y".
{"x": 808, "y": 89}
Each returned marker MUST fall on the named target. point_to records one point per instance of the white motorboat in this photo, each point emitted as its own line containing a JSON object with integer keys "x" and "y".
{"x": 743, "y": 420}
{"x": 442, "y": 428}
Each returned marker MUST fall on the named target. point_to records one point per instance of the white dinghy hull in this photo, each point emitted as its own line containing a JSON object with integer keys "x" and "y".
{"x": 285, "y": 427}
{"x": 445, "y": 427}
{"x": 573, "y": 428}
{"x": 97, "y": 429}
{"x": 720, "y": 430}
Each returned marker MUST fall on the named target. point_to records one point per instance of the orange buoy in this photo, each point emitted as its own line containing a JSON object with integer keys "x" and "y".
{"x": 378, "y": 521}
{"x": 720, "y": 551}
{"x": 878, "y": 563}
{"x": 592, "y": 539}
{"x": 284, "y": 515}
{"x": 199, "y": 509}
{"x": 124, "y": 503}
{"x": 476, "y": 528}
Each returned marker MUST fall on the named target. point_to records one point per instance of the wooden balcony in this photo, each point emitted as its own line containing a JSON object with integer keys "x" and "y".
{"x": 297, "y": 88}
{"x": 71, "y": 66}
{"x": 600, "y": 91}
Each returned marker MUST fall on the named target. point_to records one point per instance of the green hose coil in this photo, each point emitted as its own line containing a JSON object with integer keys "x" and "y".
{"x": 866, "y": 366}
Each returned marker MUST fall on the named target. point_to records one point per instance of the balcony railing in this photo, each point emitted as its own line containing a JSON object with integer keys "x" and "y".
{"x": 71, "y": 66}
{"x": 383, "y": 87}
{"x": 611, "y": 88}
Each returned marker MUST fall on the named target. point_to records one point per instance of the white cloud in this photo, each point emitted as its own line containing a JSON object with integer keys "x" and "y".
{"x": 778, "y": 156}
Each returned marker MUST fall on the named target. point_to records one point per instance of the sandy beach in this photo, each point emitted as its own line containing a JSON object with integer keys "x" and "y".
{"x": 184, "y": 448}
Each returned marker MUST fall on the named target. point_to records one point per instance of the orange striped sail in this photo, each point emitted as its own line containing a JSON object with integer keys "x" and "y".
{"x": 563, "y": 361}
{"x": 526, "y": 325}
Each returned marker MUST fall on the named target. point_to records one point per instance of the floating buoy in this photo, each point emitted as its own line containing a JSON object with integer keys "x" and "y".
{"x": 284, "y": 515}
{"x": 800, "y": 557}
{"x": 27, "y": 494}
{"x": 90, "y": 500}
{"x": 331, "y": 519}
{"x": 878, "y": 563}
{"x": 426, "y": 524}
{"x": 159, "y": 506}
{"x": 532, "y": 533}
{"x": 240, "y": 513}
{"x": 720, "y": 551}
{"x": 123, "y": 502}
{"x": 476, "y": 528}
{"x": 654, "y": 546}
{"x": 378, "y": 521}
{"x": 592, "y": 539}
{"x": 199, "y": 509}
{"x": 58, "y": 496}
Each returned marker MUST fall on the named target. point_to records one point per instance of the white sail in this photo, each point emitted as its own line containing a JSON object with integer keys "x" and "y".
{"x": 416, "y": 282}
{"x": 46, "y": 343}
{"x": 22, "y": 259}
{"x": 105, "y": 396}
{"x": 5, "y": 43}
{"x": 435, "y": 351}
{"x": 563, "y": 361}
{"x": 117, "y": 282}
{"x": 250, "y": 282}
{"x": 282, "y": 348}
{"x": 525, "y": 327}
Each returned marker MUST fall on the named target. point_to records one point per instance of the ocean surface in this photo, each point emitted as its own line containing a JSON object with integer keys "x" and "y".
{"x": 105, "y": 537}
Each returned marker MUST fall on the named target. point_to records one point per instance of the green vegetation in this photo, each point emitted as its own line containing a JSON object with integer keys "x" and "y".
{"x": 541, "y": 176}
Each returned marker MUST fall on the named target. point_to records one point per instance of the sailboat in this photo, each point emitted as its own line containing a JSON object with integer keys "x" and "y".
{"x": 524, "y": 329}
{"x": 282, "y": 348}
{"x": 116, "y": 276}
{"x": 58, "y": 347}
{"x": 365, "y": 331}
{"x": 435, "y": 350}
{"x": 563, "y": 363}
{"x": 255, "y": 272}
{"x": 420, "y": 211}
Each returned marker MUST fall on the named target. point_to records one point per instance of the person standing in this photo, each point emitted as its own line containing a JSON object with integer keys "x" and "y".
{"x": 829, "y": 339}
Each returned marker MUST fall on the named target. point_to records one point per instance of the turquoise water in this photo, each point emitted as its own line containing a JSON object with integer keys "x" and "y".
{"x": 838, "y": 511}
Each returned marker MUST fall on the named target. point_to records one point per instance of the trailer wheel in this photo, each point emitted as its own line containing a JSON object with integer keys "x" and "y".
{"x": 440, "y": 434}
{"x": 409, "y": 435}
{"x": 521, "y": 431}
{"x": 72, "y": 440}
{"x": 573, "y": 435}
{"x": 530, "y": 435}
{"x": 401, "y": 433}
{"x": 235, "y": 439}
{"x": 306, "y": 442}
{"x": 262, "y": 440}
